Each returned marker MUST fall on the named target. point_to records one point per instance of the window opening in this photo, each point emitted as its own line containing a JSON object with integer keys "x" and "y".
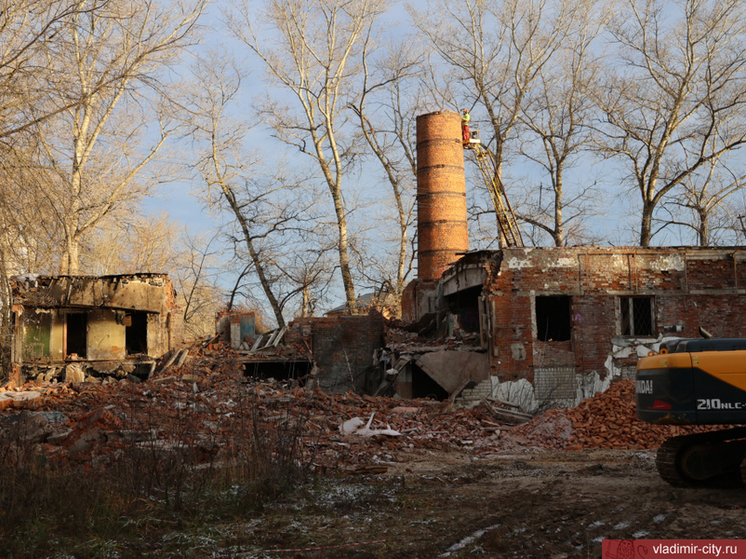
{"x": 466, "y": 305}
{"x": 77, "y": 334}
{"x": 637, "y": 316}
{"x": 553, "y": 319}
{"x": 136, "y": 332}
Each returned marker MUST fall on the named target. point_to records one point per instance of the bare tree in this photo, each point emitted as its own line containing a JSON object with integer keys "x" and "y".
{"x": 27, "y": 84}
{"x": 268, "y": 211}
{"x": 196, "y": 278}
{"x": 28, "y": 235}
{"x": 676, "y": 103}
{"x": 309, "y": 49}
{"x": 557, "y": 116}
{"x": 141, "y": 243}
{"x": 387, "y": 107}
{"x": 494, "y": 51}
{"x": 110, "y": 55}
{"x": 701, "y": 202}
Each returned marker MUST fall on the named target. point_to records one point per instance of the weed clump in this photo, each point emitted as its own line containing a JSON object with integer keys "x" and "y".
{"x": 160, "y": 469}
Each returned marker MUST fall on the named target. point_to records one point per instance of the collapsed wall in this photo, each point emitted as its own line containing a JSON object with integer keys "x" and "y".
{"x": 342, "y": 348}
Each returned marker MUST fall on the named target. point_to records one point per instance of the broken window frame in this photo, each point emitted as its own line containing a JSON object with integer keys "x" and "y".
{"x": 634, "y": 321}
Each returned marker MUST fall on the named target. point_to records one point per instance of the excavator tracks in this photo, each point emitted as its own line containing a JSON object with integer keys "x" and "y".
{"x": 704, "y": 460}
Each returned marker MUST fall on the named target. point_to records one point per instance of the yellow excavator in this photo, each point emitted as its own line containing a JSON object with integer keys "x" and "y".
{"x": 697, "y": 382}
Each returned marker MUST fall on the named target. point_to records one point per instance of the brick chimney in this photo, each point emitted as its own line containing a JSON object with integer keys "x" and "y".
{"x": 441, "y": 193}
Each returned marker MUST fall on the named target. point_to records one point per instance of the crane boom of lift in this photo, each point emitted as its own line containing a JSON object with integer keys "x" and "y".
{"x": 510, "y": 233}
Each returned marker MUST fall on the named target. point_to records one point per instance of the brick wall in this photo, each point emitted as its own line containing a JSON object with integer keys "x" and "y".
{"x": 342, "y": 348}
{"x": 688, "y": 287}
{"x": 418, "y": 298}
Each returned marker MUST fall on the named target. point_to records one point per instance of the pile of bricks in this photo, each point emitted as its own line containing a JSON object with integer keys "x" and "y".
{"x": 607, "y": 420}
{"x": 205, "y": 403}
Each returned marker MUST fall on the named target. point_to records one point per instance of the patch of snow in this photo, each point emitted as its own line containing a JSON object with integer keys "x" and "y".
{"x": 467, "y": 540}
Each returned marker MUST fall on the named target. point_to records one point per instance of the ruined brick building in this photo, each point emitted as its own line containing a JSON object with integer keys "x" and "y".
{"x": 70, "y": 327}
{"x": 554, "y": 323}
{"x": 535, "y": 326}
{"x": 76, "y": 328}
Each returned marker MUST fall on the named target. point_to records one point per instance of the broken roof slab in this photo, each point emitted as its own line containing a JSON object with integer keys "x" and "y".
{"x": 143, "y": 292}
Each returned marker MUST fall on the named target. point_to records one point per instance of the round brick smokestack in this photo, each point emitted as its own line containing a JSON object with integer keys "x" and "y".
{"x": 441, "y": 193}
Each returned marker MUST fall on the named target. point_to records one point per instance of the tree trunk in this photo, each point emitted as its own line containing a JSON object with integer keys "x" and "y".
{"x": 344, "y": 260}
{"x": 558, "y": 233}
{"x": 70, "y": 262}
{"x": 703, "y": 232}
{"x": 646, "y": 224}
{"x": 266, "y": 287}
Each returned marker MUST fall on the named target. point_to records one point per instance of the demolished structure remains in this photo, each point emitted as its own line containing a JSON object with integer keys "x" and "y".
{"x": 535, "y": 327}
{"x": 333, "y": 353}
{"x": 542, "y": 326}
{"x": 73, "y": 327}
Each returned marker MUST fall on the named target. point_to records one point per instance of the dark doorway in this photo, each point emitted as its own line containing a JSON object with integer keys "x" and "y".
{"x": 136, "y": 332}
{"x": 425, "y": 387}
{"x": 553, "y": 319}
{"x": 77, "y": 334}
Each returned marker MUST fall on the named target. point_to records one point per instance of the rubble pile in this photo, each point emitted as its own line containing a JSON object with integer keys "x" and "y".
{"x": 608, "y": 420}
{"x": 424, "y": 334}
{"x": 206, "y": 406}
{"x": 552, "y": 429}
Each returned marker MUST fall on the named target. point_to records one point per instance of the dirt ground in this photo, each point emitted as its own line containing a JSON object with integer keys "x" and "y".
{"x": 542, "y": 504}
{"x": 453, "y": 483}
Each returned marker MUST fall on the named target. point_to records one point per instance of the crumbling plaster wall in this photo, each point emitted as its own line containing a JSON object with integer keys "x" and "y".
{"x": 690, "y": 287}
{"x": 106, "y": 336}
{"x": 144, "y": 292}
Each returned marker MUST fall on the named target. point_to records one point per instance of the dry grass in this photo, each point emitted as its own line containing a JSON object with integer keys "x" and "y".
{"x": 162, "y": 474}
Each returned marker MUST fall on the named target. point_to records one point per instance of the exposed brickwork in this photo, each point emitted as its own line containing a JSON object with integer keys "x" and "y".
{"x": 689, "y": 287}
{"x": 441, "y": 193}
{"x": 699, "y": 273}
{"x": 342, "y": 348}
{"x": 417, "y": 298}
{"x": 594, "y": 325}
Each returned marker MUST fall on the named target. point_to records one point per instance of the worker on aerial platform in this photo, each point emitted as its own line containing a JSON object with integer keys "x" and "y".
{"x": 465, "y": 118}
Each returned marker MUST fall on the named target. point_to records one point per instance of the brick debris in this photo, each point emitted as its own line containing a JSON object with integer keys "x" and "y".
{"x": 205, "y": 403}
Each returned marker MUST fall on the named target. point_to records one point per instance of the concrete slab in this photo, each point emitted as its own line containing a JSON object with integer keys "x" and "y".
{"x": 451, "y": 368}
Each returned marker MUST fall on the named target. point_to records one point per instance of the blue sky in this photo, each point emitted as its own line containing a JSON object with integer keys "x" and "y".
{"x": 616, "y": 222}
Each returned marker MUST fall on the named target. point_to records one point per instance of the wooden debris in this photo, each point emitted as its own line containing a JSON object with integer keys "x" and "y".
{"x": 509, "y": 416}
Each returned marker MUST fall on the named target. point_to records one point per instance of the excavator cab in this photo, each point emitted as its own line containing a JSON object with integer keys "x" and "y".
{"x": 697, "y": 382}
